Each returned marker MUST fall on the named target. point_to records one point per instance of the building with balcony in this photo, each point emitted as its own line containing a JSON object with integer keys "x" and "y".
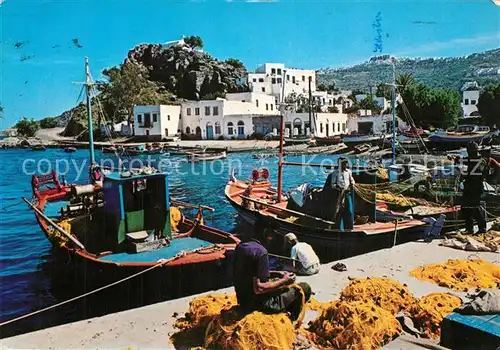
{"x": 158, "y": 122}
{"x": 470, "y": 99}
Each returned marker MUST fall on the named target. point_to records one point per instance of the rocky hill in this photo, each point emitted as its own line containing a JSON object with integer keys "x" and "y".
{"x": 449, "y": 72}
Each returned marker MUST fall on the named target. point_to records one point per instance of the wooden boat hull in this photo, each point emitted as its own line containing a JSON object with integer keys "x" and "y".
{"x": 449, "y": 141}
{"x": 375, "y": 140}
{"x": 330, "y": 243}
{"x": 296, "y": 140}
{"x": 327, "y": 141}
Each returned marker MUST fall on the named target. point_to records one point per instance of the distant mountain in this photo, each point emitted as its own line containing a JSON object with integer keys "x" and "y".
{"x": 449, "y": 72}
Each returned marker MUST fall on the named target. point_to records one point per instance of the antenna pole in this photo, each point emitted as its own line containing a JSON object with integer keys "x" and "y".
{"x": 393, "y": 111}
{"x": 88, "y": 86}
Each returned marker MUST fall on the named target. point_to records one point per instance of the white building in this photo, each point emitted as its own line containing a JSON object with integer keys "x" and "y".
{"x": 373, "y": 124}
{"x": 470, "y": 98}
{"x": 270, "y": 77}
{"x": 382, "y": 102}
{"x": 323, "y": 124}
{"x": 230, "y": 117}
{"x": 157, "y": 122}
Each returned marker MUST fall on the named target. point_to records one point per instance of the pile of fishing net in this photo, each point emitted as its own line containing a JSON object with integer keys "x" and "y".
{"x": 484, "y": 242}
{"x": 430, "y": 310}
{"x": 386, "y": 293}
{"x": 460, "y": 274}
{"x": 233, "y": 330}
{"x": 353, "y": 325}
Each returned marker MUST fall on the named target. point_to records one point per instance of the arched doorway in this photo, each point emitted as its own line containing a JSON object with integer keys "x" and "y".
{"x": 210, "y": 131}
{"x": 188, "y": 130}
{"x": 241, "y": 129}
{"x": 198, "y": 133}
{"x": 230, "y": 130}
{"x": 297, "y": 124}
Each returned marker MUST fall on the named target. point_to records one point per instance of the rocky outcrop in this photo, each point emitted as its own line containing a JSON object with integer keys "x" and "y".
{"x": 185, "y": 72}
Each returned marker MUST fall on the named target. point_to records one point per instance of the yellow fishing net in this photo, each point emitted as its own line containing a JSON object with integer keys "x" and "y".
{"x": 232, "y": 330}
{"x": 316, "y": 305}
{"x": 386, "y": 293}
{"x": 460, "y": 274}
{"x": 57, "y": 236}
{"x": 353, "y": 325}
{"x": 175, "y": 218}
{"x": 430, "y": 311}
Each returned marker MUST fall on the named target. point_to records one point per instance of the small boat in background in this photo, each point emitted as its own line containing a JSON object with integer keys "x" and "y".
{"x": 206, "y": 156}
{"x": 69, "y": 149}
{"x": 38, "y": 148}
{"x": 375, "y": 140}
{"x": 327, "y": 141}
{"x": 462, "y": 135}
{"x": 297, "y": 140}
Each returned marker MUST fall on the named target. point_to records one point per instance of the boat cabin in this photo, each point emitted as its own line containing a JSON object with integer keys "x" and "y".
{"x": 136, "y": 206}
{"x": 471, "y": 129}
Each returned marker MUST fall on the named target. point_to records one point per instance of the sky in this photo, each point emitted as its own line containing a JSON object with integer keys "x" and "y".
{"x": 36, "y": 78}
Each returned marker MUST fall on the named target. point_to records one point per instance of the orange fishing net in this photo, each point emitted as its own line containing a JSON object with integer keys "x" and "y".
{"x": 353, "y": 325}
{"x": 460, "y": 274}
{"x": 386, "y": 293}
{"x": 430, "y": 311}
{"x": 232, "y": 330}
{"x": 315, "y": 305}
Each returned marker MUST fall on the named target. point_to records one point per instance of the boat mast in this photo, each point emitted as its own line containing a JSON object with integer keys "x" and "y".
{"x": 310, "y": 107}
{"x": 282, "y": 138}
{"x": 88, "y": 86}
{"x": 393, "y": 111}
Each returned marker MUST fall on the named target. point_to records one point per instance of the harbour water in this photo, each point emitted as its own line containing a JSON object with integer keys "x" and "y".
{"x": 33, "y": 276}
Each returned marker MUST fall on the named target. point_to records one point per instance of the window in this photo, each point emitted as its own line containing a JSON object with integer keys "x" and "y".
{"x": 323, "y": 100}
{"x": 293, "y": 79}
{"x": 254, "y": 80}
{"x": 166, "y": 132}
{"x": 263, "y": 89}
{"x": 343, "y": 126}
{"x": 273, "y": 81}
{"x": 288, "y": 77}
{"x": 267, "y": 107}
{"x": 271, "y": 106}
{"x": 279, "y": 80}
{"x": 188, "y": 111}
{"x": 139, "y": 118}
{"x": 261, "y": 80}
{"x": 217, "y": 128}
{"x": 320, "y": 127}
{"x": 155, "y": 117}
{"x": 472, "y": 102}
{"x": 197, "y": 111}
{"x": 207, "y": 110}
{"x": 330, "y": 102}
{"x": 273, "y": 70}
{"x": 230, "y": 128}
{"x": 188, "y": 130}
{"x": 466, "y": 101}
{"x": 241, "y": 128}
{"x": 257, "y": 103}
{"x": 303, "y": 78}
{"x": 216, "y": 110}
{"x": 338, "y": 127}
{"x": 333, "y": 127}
{"x": 168, "y": 117}
{"x": 279, "y": 71}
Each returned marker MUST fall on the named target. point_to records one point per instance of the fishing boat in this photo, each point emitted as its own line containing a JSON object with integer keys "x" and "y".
{"x": 297, "y": 140}
{"x": 375, "y": 140}
{"x": 327, "y": 141}
{"x": 462, "y": 135}
{"x": 38, "y": 148}
{"x": 206, "y": 156}
{"x": 125, "y": 222}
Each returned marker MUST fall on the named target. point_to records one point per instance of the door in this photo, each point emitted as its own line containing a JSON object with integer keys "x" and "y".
{"x": 147, "y": 132}
{"x": 210, "y": 131}
{"x": 198, "y": 133}
{"x": 166, "y": 132}
{"x": 327, "y": 130}
{"x": 147, "y": 120}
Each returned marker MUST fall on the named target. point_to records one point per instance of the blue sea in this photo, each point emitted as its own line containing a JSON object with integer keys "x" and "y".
{"x": 28, "y": 264}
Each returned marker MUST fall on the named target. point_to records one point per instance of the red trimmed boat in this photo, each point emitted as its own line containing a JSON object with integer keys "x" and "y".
{"x": 123, "y": 223}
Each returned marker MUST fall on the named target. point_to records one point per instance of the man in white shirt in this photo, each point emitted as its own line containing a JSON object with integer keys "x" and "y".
{"x": 305, "y": 261}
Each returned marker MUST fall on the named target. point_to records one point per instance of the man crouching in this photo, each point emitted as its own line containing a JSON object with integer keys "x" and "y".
{"x": 257, "y": 288}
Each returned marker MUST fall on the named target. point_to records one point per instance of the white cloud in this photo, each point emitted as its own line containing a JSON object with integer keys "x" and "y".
{"x": 421, "y": 50}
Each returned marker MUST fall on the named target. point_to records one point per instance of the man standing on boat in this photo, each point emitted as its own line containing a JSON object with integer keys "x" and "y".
{"x": 472, "y": 195}
{"x": 256, "y": 289}
{"x": 304, "y": 259}
{"x": 337, "y": 195}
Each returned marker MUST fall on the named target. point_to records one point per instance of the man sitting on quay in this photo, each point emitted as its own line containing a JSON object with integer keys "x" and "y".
{"x": 256, "y": 289}
{"x": 304, "y": 259}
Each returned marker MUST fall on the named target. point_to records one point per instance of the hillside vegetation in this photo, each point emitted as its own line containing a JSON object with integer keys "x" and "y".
{"x": 449, "y": 72}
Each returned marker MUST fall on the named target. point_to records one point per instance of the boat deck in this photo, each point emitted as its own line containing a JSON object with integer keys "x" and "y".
{"x": 176, "y": 246}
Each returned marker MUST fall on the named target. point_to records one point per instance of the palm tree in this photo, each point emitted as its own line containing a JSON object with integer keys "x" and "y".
{"x": 404, "y": 80}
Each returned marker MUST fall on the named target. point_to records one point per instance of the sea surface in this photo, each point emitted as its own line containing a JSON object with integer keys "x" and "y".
{"x": 30, "y": 276}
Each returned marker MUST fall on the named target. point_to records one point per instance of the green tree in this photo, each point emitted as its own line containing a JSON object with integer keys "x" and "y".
{"x": 26, "y": 127}
{"x": 384, "y": 90}
{"x": 431, "y": 106}
{"x": 370, "y": 103}
{"x": 236, "y": 63}
{"x": 403, "y": 81}
{"x": 489, "y": 105}
{"x": 48, "y": 123}
{"x": 328, "y": 88}
{"x": 194, "y": 41}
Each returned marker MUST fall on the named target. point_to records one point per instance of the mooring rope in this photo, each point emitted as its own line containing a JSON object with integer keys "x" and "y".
{"x": 163, "y": 262}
